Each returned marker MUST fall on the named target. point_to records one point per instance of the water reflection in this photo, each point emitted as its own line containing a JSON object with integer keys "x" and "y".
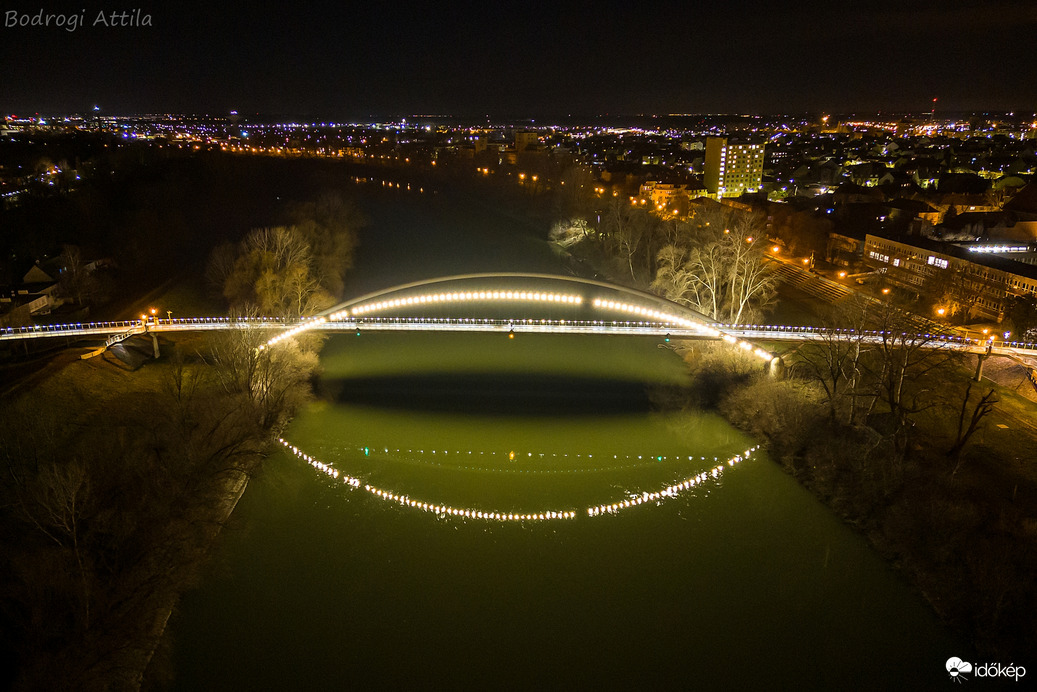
{"x": 633, "y": 498}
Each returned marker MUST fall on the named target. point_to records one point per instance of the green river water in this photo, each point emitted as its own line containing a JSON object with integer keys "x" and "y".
{"x": 743, "y": 581}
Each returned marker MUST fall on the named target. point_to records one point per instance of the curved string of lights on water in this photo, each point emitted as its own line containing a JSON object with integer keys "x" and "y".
{"x": 429, "y": 457}
{"x": 437, "y": 508}
{"x": 634, "y": 499}
{"x": 670, "y": 491}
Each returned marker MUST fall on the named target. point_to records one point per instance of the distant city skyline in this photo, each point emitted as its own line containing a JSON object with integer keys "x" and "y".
{"x": 386, "y": 59}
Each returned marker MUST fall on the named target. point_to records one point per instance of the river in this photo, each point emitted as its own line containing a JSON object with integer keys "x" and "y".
{"x": 741, "y": 579}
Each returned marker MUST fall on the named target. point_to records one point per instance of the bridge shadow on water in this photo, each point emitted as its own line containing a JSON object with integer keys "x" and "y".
{"x": 495, "y": 394}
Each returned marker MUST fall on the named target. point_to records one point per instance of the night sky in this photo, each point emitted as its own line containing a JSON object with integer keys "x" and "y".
{"x": 378, "y": 58}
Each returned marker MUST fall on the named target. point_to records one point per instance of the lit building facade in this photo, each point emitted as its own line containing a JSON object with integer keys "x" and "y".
{"x": 991, "y": 277}
{"x": 732, "y": 169}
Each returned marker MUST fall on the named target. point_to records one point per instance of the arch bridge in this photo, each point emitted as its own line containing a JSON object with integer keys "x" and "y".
{"x": 510, "y": 303}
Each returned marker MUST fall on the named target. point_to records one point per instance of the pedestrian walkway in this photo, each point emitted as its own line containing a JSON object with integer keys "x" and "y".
{"x": 812, "y": 284}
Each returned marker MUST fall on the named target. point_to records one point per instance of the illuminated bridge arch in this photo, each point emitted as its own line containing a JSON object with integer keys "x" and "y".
{"x": 539, "y": 303}
{"x": 517, "y": 287}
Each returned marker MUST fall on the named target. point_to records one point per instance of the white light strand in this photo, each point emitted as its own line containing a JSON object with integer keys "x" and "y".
{"x": 467, "y": 512}
{"x": 445, "y": 510}
{"x": 679, "y": 321}
{"x": 319, "y": 465}
{"x": 458, "y": 297}
{"x": 431, "y": 456}
{"x": 669, "y": 491}
{"x": 308, "y": 324}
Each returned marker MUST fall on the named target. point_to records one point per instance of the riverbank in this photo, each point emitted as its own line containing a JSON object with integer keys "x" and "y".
{"x": 963, "y": 534}
{"x": 118, "y": 483}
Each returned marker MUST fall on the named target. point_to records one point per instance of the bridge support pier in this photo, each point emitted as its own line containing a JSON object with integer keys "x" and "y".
{"x": 154, "y": 344}
{"x": 980, "y": 359}
{"x": 776, "y": 368}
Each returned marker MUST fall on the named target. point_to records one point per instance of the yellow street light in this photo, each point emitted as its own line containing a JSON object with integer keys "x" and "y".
{"x": 775, "y": 249}
{"x": 941, "y": 311}
{"x": 842, "y": 275}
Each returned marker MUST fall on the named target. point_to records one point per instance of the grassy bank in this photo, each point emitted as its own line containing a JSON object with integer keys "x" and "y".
{"x": 114, "y": 484}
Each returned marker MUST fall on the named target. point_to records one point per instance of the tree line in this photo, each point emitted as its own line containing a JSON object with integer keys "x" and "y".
{"x": 113, "y": 485}
{"x": 713, "y": 261}
{"x": 112, "y": 488}
{"x": 291, "y": 270}
{"x": 896, "y": 437}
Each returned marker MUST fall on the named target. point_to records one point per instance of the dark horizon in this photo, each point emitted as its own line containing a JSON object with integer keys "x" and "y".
{"x": 647, "y": 121}
{"x": 606, "y": 58}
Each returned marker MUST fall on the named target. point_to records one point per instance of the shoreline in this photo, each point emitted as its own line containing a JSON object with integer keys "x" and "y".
{"x": 932, "y": 581}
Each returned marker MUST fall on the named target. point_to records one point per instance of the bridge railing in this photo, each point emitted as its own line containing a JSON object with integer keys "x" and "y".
{"x": 759, "y": 331}
{"x": 777, "y": 330}
{"x": 120, "y": 326}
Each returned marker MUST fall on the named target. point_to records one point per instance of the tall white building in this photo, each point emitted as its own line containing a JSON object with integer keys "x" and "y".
{"x": 732, "y": 169}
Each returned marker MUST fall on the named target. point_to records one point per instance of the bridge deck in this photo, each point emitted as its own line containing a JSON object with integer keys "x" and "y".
{"x": 554, "y": 326}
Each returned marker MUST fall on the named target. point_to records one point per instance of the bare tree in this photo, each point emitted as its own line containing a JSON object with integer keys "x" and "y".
{"x": 968, "y": 424}
{"x": 76, "y": 282}
{"x": 834, "y": 359}
{"x": 903, "y": 356}
{"x": 274, "y": 271}
{"x": 272, "y": 380}
{"x": 752, "y": 285}
{"x": 628, "y": 233}
{"x": 717, "y": 267}
{"x": 55, "y": 503}
{"x": 329, "y": 226}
